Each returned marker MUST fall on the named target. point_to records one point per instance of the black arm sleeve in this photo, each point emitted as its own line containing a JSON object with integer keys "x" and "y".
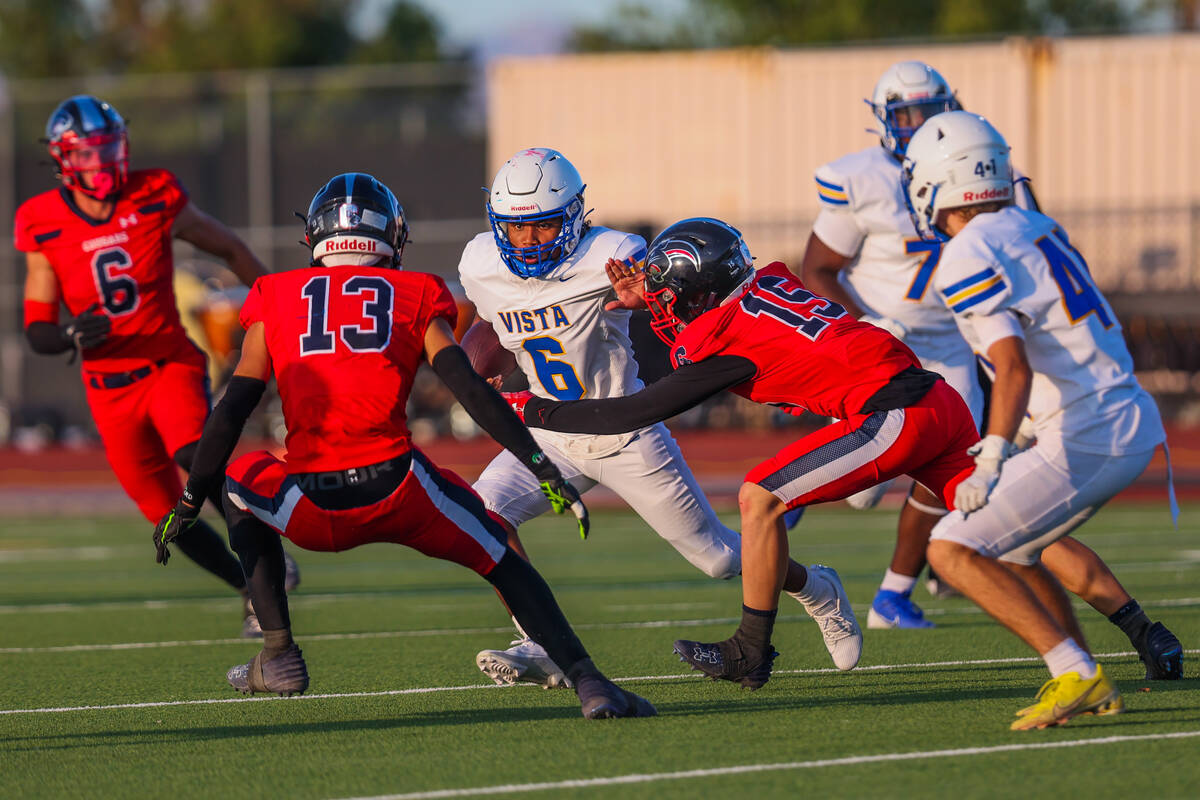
{"x": 220, "y": 436}
{"x": 488, "y": 409}
{"x": 47, "y": 338}
{"x": 673, "y": 394}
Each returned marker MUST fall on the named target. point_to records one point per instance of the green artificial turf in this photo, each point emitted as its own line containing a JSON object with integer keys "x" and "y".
{"x": 88, "y": 619}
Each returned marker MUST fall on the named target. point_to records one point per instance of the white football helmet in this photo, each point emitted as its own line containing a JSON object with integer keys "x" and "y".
{"x": 535, "y": 185}
{"x": 955, "y": 159}
{"x": 907, "y": 94}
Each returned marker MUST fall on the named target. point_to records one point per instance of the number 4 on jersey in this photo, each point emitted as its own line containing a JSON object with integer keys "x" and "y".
{"x": 1070, "y": 271}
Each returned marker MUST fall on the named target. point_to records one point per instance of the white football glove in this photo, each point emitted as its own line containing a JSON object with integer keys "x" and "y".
{"x": 990, "y": 452}
{"x": 1026, "y": 435}
{"x": 894, "y": 327}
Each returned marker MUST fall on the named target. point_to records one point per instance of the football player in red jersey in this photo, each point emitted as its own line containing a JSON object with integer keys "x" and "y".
{"x": 344, "y": 338}
{"x": 767, "y": 338}
{"x": 101, "y": 243}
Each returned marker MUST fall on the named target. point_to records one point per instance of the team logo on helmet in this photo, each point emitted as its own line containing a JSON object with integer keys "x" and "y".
{"x": 349, "y": 215}
{"x": 685, "y": 250}
{"x": 680, "y": 356}
{"x": 60, "y": 123}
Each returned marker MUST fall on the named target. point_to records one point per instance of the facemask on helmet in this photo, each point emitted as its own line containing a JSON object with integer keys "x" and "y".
{"x": 955, "y": 159}
{"x": 87, "y": 139}
{"x": 356, "y": 216}
{"x": 536, "y": 191}
{"x": 907, "y": 94}
{"x": 691, "y": 267}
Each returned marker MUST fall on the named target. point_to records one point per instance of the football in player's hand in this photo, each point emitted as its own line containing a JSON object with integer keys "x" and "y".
{"x": 488, "y": 357}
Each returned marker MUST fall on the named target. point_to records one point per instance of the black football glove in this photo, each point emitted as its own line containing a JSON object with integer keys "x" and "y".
{"x": 558, "y": 490}
{"x": 562, "y": 495}
{"x": 177, "y": 520}
{"x": 89, "y": 329}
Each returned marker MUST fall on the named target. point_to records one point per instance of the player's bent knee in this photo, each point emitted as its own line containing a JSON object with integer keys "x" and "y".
{"x": 946, "y": 557}
{"x": 727, "y": 566}
{"x": 756, "y": 502}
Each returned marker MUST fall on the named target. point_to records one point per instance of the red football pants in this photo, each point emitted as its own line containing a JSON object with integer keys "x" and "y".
{"x": 927, "y": 441}
{"x": 143, "y": 424}
{"x": 433, "y": 511}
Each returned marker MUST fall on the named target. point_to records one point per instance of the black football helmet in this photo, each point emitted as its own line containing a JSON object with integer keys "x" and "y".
{"x": 355, "y": 213}
{"x": 691, "y": 267}
{"x": 86, "y": 138}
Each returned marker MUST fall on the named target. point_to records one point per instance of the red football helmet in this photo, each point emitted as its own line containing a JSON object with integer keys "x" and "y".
{"x": 87, "y": 139}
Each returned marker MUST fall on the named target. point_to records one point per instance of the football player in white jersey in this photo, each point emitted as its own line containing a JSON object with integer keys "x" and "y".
{"x": 538, "y": 278}
{"x": 1023, "y": 298}
{"x": 865, "y": 254}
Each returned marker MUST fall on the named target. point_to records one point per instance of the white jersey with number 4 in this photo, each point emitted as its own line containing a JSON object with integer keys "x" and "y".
{"x": 567, "y": 345}
{"x": 1018, "y": 263}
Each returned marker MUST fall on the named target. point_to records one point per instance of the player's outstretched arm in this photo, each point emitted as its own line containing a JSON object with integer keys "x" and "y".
{"x": 498, "y": 419}
{"x": 221, "y": 434}
{"x": 628, "y": 284}
{"x": 213, "y": 237}
{"x": 673, "y": 394}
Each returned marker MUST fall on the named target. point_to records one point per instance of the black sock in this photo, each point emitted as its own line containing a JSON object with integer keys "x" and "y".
{"x": 1132, "y": 620}
{"x": 205, "y": 546}
{"x": 261, "y": 553}
{"x": 532, "y": 603}
{"x": 276, "y": 643}
{"x": 755, "y": 630}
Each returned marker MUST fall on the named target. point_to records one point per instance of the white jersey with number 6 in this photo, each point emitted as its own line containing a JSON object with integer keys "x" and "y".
{"x": 569, "y": 348}
{"x": 567, "y": 345}
{"x": 1021, "y": 264}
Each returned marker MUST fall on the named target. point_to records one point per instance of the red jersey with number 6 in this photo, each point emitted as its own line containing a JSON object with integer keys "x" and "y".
{"x": 809, "y": 352}
{"x": 345, "y": 343}
{"x": 124, "y": 264}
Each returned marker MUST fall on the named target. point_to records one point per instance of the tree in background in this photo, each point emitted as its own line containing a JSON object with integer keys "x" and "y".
{"x": 54, "y": 38}
{"x": 743, "y": 23}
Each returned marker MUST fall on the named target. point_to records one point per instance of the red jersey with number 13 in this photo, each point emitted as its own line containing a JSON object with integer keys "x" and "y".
{"x": 123, "y": 263}
{"x": 809, "y": 352}
{"x": 345, "y": 343}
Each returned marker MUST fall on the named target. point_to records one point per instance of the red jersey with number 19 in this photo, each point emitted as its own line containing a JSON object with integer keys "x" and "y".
{"x": 123, "y": 263}
{"x": 345, "y": 343}
{"x": 809, "y": 352}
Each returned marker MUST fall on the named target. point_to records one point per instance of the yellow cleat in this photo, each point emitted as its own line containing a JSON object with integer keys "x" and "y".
{"x": 1069, "y": 696}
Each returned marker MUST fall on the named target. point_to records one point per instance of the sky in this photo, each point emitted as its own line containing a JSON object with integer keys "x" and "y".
{"x": 508, "y": 27}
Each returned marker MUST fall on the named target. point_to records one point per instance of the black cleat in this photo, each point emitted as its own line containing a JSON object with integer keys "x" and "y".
{"x": 286, "y": 674}
{"x": 1162, "y": 654}
{"x": 727, "y": 661}
{"x": 603, "y": 699}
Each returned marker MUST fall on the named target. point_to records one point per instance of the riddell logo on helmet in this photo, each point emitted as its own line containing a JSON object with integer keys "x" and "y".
{"x": 524, "y": 208}
{"x": 342, "y": 245}
{"x": 987, "y": 194}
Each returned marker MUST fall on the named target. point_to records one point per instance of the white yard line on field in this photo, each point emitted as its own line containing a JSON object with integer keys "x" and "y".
{"x": 594, "y": 626}
{"x": 654, "y": 777}
{"x": 473, "y": 687}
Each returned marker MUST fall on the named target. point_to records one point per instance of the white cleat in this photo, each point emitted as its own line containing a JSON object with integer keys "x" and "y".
{"x": 869, "y": 498}
{"x": 524, "y": 662}
{"x": 830, "y": 609}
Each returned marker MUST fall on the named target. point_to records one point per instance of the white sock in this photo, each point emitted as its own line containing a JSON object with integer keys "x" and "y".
{"x": 895, "y": 582}
{"x": 520, "y": 630}
{"x": 814, "y": 591}
{"x": 1066, "y": 656}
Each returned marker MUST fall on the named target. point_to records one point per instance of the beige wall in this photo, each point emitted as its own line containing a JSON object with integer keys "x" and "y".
{"x": 1101, "y": 125}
